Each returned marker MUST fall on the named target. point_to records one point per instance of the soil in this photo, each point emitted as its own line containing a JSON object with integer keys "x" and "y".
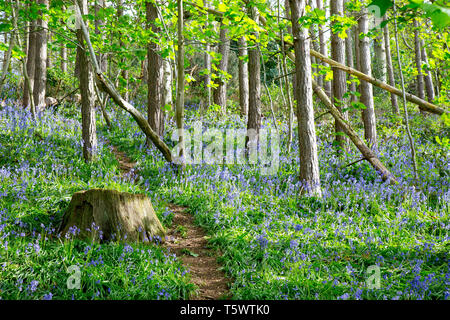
{"x": 189, "y": 242}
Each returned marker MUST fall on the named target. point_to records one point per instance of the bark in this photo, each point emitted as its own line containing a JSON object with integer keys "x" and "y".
{"x": 40, "y": 72}
{"x": 107, "y": 87}
{"x": 179, "y": 112}
{"x": 339, "y": 82}
{"x": 243, "y": 77}
{"x": 370, "y": 130}
{"x": 309, "y": 163}
{"x": 390, "y": 68}
{"x": 109, "y": 215}
{"x": 220, "y": 93}
{"x": 367, "y": 153}
{"x": 86, "y": 79}
{"x": 428, "y": 79}
{"x": 155, "y": 76}
{"x": 31, "y": 53}
{"x": 124, "y": 73}
{"x": 6, "y": 61}
{"x": 99, "y": 24}
{"x": 254, "y": 85}
{"x": 379, "y": 60}
{"x": 418, "y": 59}
{"x": 323, "y": 50}
{"x": 208, "y": 68}
{"x": 350, "y": 62}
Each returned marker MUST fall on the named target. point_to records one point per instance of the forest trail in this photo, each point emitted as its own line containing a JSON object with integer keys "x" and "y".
{"x": 188, "y": 242}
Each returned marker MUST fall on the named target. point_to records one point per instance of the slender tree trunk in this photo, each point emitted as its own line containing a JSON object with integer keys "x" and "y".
{"x": 323, "y": 50}
{"x": 379, "y": 60}
{"x": 49, "y": 51}
{"x": 6, "y": 61}
{"x": 179, "y": 114}
{"x": 124, "y": 73}
{"x": 220, "y": 93}
{"x": 40, "y": 72}
{"x": 31, "y": 53}
{"x": 350, "y": 62}
{"x": 86, "y": 79}
{"x": 99, "y": 24}
{"x": 339, "y": 77}
{"x": 370, "y": 129}
{"x": 418, "y": 59}
{"x": 427, "y": 77}
{"x": 155, "y": 76}
{"x": 309, "y": 162}
{"x": 208, "y": 67}
{"x": 390, "y": 68}
{"x": 243, "y": 77}
{"x": 254, "y": 85}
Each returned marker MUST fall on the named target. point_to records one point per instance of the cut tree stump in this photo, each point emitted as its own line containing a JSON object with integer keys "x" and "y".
{"x": 104, "y": 215}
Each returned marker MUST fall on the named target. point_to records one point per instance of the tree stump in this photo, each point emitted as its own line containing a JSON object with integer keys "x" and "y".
{"x": 109, "y": 215}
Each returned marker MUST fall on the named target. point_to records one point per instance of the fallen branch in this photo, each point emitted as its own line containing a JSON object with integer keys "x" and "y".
{"x": 367, "y": 153}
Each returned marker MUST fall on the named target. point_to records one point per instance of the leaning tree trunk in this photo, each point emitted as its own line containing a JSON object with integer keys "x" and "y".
{"x": 390, "y": 68}
{"x": 86, "y": 79}
{"x": 109, "y": 215}
{"x": 370, "y": 129}
{"x": 309, "y": 162}
{"x": 418, "y": 60}
{"x": 40, "y": 72}
{"x": 220, "y": 93}
{"x": 243, "y": 77}
{"x": 155, "y": 75}
{"x": 339, "y": 82}
{"x": 254, "y": 85}
{"x": 99, "y": 25}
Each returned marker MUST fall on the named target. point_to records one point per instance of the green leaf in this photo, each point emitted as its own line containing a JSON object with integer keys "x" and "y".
{"x": 379, "y": 7}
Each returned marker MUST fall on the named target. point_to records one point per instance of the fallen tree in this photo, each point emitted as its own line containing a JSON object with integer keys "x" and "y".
{"x": 106, "y": 86}
{"x": 367, "y": 153}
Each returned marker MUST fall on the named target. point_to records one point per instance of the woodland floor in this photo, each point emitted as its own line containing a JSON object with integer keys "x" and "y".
{"x": 189, "y": 242}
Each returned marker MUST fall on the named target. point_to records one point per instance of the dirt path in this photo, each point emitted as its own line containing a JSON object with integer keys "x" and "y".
{"x": 188, "y": 242}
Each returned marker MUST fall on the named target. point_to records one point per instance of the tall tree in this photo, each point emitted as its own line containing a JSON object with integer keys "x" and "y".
{"x": 243, "y": 77}
{"x": 309, "y": 162}
{"x": 179, "y": 112}
{"x": 390, "y": 67}
{"x": 349, "y": 44}
{"x": 254, "y": 85}
{"x": 155, "y": 75}
{"x": 418, "y": 59}
{"x": 339, "y": 82}
{"x": 40, "y": 63}
{"x": 86, "y": 79}
{"x": 370, "y": 129}
{"x": 220, "y": 93}
{"x": 99, "y": 24}
{"x": 323, "y": 50}
{"x": 428, "y": 78}
{"x": 124, "y": 73}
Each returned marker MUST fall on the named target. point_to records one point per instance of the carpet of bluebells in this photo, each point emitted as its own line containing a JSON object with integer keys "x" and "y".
{"x": 41, "y": 167}
{"x": 274, "y": 243}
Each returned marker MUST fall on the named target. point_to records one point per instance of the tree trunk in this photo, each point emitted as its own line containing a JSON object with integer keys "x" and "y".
{"x": 124, "y": 73}
{"x": 370, "y": 130}
{"x": 155, "y": 76}
{"x": 368, "y": 154}
{"x": 390, "y": 68}
{"x": 220, "y": 93}
{"x": 309, "y": 163}
{"x": 379, "y": 60}
{"x": 243, "y": 77}
{"x": 208, "y": 68}
{"x": 339, "y": 77}
{"x": 427, "y": 77}
{"x": 31, "y": 53}
{"x": 418, "y": 59}
{"x": 323, "y": 50}
{"x": 109, "y": 215}
{"x": 179, "y": 112}
{"x": 349, "y": 44}
{"x": 99, "y": 24}
{"x": 254, "y": 85}
{"x": 40, "y": 72}
{"x": 86, "y": 78}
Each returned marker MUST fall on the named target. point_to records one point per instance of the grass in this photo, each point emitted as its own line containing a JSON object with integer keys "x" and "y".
{"x": 275, "y": 244}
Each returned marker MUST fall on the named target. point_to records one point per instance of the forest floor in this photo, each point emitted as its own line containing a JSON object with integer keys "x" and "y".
{"x": 189, "y": 242}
